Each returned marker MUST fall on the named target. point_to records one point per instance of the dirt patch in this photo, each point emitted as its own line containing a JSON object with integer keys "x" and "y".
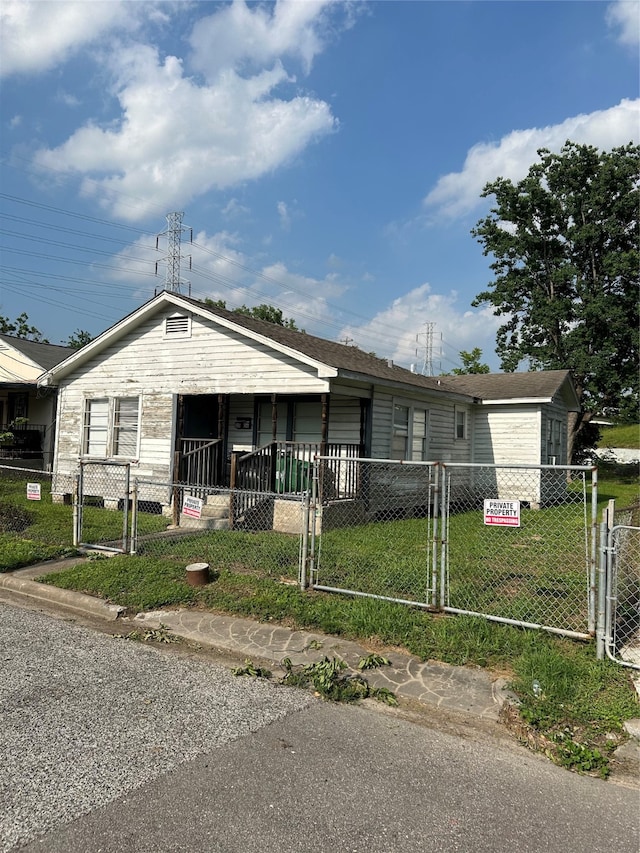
{"x": 14, "y": 519}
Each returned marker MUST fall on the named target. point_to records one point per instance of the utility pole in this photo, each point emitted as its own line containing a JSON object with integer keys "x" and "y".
{"x": 173, "y": 233}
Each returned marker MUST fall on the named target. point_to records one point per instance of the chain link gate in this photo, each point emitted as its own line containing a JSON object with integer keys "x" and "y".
{"x": 621, "y": 558}
{"x": 373, "y": 527}
{"x": 520, "y": 545}
{"x": 510, "y": 543}
{"x": 101, "y": 506}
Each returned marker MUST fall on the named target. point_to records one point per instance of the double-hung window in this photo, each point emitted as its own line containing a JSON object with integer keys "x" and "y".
{"x": 409, "y": 433}
{"x": 461, "y": 423}
{"x": 111, "y": 427}
{"x": 554, "y": 441}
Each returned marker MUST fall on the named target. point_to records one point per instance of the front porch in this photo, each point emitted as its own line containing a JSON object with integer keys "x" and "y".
{"x": 267, "y": 444}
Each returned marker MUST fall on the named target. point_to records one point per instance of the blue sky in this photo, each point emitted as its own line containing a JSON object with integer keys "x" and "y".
{"x": 328, "y": 156}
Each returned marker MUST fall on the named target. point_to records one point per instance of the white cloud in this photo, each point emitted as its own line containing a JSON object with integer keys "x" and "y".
{"x": 37, "y": 36}
{"x": 624, "y": 16}
{"x": 285, "y": 218}
{"x": 235, "y": 209}
{"x": 398, "y": 332}
{"x": 177, "y": 140}
{"x": 458, "y": 193}
{"x": 241, "y": 38}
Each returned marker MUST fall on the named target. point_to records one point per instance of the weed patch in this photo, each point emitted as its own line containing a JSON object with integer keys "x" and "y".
{"x": 328, "y": 679}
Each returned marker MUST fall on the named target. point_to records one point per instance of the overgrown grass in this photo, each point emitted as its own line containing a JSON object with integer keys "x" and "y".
{"x": 624, "y": 435}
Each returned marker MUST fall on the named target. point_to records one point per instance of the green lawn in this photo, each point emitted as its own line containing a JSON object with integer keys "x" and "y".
{"x": 625, "y": 435}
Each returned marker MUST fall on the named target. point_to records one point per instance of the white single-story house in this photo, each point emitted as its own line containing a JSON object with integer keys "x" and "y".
{"x": 191, "y": 393}
{"x": 27, "y": 412}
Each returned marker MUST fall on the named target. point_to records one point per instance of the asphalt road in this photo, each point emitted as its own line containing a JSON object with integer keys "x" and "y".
{"x": 109, "y": 745}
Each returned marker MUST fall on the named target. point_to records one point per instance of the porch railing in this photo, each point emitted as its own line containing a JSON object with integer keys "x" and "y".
{"x": 200, "y": 461}
{"x": 22, "y": 441}
{"x": 285, "y": 467}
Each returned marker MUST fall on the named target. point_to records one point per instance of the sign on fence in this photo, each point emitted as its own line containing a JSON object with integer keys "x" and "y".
{"x": 33, "y": 491}
{"x": 502, "y": 513}
{"x": 192, "y": 507}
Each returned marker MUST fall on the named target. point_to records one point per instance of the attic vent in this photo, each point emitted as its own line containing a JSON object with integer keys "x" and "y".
{"x": 177, "y": 326}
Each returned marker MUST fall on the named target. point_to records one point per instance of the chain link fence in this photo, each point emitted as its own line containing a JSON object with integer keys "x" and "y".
{"x": 246, "y": 532}
{"x": 511, "y": 543}
{"x": 621, "y": 557}
{"x": 379, "y": 541}
{"x": 520, "y": 545}
{"x": 32, "y": 526}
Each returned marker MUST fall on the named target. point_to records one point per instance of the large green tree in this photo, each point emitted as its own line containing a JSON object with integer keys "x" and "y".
{"x": 471, "y": 363}
{"x": 20, "y": 328}
{"x": 564, "y": 243}
{"x": 260, "y": 312}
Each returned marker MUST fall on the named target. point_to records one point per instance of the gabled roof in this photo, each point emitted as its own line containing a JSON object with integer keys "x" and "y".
{"x": 539, "y": 385}
{"x": 42, "y": 355}
{"x": 332, "y": 358}
{"x": 329, "y": 357}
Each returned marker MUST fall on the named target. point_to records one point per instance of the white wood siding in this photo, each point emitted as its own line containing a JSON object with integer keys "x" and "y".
{"x": 148, "y": 364}
{"x": 507, "y": 434}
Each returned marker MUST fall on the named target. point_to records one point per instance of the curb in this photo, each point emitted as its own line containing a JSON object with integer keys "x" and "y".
{"x": 75, "y": 601}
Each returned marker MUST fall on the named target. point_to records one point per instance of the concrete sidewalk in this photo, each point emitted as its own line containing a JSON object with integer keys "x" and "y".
{"x": 469, "y": 693}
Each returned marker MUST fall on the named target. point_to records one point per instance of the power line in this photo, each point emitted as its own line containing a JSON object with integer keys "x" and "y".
{"x": 215, "y": 278}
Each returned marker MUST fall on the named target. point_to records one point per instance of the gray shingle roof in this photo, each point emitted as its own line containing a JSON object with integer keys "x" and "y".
{"x": 509, "y": 386}
{"x": 45, "y": 355}
{"x": 340, "y": 356}
{"x": 490, "y": 386}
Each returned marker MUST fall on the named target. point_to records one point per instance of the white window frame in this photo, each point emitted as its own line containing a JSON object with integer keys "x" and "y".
{"x": 465, "y": 424}
{"x": 110, "y": 435}
{"x": 555, "y": 429}
{"x": 406, "y": 432}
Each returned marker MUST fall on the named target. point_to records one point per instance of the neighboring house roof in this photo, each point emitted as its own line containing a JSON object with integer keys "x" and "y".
{"x": 32, "y": 354}
{"x": 331, "y": 358}
{"x": 541, "y": 385}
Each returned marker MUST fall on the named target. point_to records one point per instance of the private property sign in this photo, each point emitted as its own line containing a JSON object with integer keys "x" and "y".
{"x": 502, "y": 513}
{"x": 192, "y": 507}
{"x": 33, "y": 491}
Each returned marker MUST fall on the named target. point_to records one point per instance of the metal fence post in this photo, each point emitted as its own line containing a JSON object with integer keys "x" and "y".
{"x": 304, "y": 548}
{"x": 444, "y": 537}
{"x": 134, "y": 517}
{"x": 77, "y": 512}
{"x": 602, "y": 592}
{"x": 591, "y": 615}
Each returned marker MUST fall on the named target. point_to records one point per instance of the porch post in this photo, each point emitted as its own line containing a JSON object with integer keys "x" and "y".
{"x": 177, "y": 460}
{"x": 274, "y": 417}
{"x": 221, "y": 456}
{"x": 324, "y": 424}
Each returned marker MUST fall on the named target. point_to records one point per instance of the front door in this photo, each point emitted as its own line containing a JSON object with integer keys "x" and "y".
{"x": 200, "y": 416}
{"x": 200, "y": 439}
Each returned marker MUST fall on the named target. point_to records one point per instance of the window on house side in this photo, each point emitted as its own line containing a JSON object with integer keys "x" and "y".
{"x": 419, "y": 435}
{"x": 111, "y": 427}
{"x": 400, "y": 434}
{"x": 96, "y": 425}
{"x": 461, "y": 423}
{"x": 125, "y": 427}
{"x": 409, "y": 435}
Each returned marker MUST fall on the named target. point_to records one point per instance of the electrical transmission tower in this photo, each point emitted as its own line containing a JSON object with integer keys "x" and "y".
{"x": 172, "y": 259}
{"x": 426, "y": 338}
